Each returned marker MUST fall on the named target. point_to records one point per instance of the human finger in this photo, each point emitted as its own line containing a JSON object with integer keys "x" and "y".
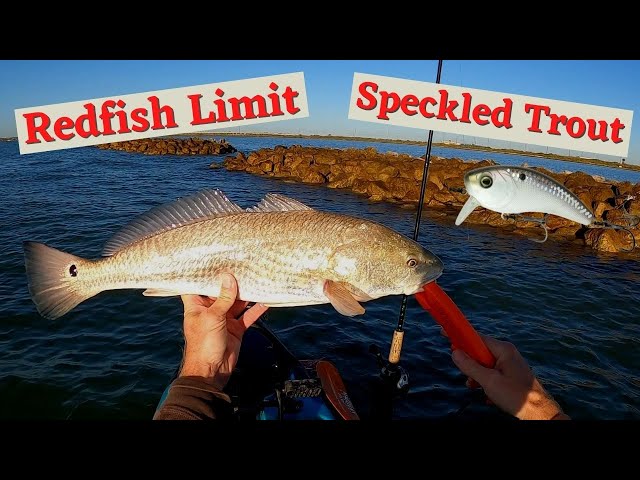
{"x": 237, "y": 308}
{"x": 227, "y": 296}
{"x": 253, "y": 314}
{"x": 471, "y": 368}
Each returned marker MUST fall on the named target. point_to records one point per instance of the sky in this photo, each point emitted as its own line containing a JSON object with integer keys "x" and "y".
{"x": 608, "y": 83}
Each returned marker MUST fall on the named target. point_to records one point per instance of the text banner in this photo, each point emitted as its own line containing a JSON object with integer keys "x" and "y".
{"x": 161, "y": 113}
{"x": 483, "y": 113}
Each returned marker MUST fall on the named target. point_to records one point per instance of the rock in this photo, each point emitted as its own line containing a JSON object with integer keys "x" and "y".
{"x": 388, "y": 172}
{"x": 341, "y": 181}
{"x": 443, "y": 196}
{"x": 584, "y": 194}
{"x": 322, "y": 169}
{"x": 633, "y": 207}
{"x": 253, "y": 159}
{"x": 413, "y": 195}
{"x": 379, "y": 190}
{"x": 616, "y": 216}
{"x": 277, "y": 158}
{"x": 161, "y": 146}
{"x": 579, "y": 179}
{"x": 601, "y": 192}
{"x": 360, "y": 186}
{"x": 608, "y": 240}
{"x": 567, "y": 232}
{"x": 294, "y": 163}
{"x": 325, "y": 159}
{"x": 266, "y": 166}
{"x": 600, "y": 208}
{"x": 555, "y": 222}
{"x": 312, "y": 177}
{"x": 398, "y": 187}
{"x": 455, "y": 184}
{"x": 254, "y": 169}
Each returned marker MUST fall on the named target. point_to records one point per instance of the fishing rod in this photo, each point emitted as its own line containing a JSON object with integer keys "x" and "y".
{"x": 393, "y": 374}
{"x": 398, "y": 334}
{"x": 438, "y": 304}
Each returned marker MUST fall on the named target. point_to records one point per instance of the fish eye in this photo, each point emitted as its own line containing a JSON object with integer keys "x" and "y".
{"x": 522, "y": 177}
{"x": 412, "y": 262}
{"x": 486, "y": 181}
{"x": 73, "y": 271}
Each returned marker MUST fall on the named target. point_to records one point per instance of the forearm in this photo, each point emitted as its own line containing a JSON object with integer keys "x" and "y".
{"x": 194, "y": 398}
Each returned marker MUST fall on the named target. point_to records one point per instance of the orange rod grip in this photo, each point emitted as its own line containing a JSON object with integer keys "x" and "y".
{"x": 461, "y": 333}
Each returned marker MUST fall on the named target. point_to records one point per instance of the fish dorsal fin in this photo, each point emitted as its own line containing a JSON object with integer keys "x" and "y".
{"x": 274, "y": 202}
{"x": 203, "y": 205}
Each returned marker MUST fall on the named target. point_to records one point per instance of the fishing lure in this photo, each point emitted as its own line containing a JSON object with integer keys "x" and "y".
{"x": 512, "y": 191}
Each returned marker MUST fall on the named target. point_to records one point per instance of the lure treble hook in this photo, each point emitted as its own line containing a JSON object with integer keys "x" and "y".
{"x": 612, "y": 226}
{"x": 542, "y": 222}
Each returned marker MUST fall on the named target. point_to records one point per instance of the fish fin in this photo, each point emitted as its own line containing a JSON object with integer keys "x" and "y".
{"x": 466, "y": 209}
{"x": 160, "y": 292}
{"x": 358, "y": 294}
{"x": 342, "y": 299}
{"x": 53, "y": 287}
{"x": 274, "y": 202}
{"x": 291, "y": 304}
{"x": 201, "y": 206}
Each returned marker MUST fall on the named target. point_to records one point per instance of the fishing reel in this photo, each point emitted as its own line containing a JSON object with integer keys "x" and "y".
{"x": 393, "y": 377}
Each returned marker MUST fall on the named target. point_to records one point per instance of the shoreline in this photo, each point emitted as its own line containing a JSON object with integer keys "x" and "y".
{"x": 507, "y": 151}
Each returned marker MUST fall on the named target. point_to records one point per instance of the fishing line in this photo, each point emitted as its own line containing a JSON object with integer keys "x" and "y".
{"x": 396, "y": 343}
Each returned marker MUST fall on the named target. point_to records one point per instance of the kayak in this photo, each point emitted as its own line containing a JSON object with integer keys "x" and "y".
{"x": 270, "y": 383}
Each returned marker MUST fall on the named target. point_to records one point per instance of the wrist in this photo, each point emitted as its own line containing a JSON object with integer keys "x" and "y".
{"x": 540, "y": 405}
{"x": 206, "y": 371}
{"x": 191, "y": 368}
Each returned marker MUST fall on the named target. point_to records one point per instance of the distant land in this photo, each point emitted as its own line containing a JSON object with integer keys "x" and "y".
{"x": 552, "y": 156}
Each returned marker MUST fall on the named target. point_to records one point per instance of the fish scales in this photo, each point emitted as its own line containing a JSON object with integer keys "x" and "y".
{"x": 261, "y": 249}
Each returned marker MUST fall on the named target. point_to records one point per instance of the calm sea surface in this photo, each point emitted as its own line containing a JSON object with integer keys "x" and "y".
{"x": 572, "y": 312}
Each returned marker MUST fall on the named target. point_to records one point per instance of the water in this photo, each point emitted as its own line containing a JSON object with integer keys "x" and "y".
{"x": 112, "y": 356}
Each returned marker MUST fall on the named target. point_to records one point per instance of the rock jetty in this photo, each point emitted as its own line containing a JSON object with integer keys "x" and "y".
{"x": 172, "y": 146}
{"x": 397, "y": 178}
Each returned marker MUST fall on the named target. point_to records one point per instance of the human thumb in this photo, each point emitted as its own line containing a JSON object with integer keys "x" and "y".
{"x": 470, "y": 367}
{"x": 228, "y": 294}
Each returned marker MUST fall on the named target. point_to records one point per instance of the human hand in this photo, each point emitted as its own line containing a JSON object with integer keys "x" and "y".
{"x": 511, "y": 384}
{"x": 213, "y": 334}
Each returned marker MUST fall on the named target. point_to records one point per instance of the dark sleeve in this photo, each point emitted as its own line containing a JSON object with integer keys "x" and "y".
{"x": 192, "y": 398}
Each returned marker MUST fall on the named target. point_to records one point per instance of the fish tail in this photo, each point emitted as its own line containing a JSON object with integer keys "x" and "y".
{"x": 55, "y": 279}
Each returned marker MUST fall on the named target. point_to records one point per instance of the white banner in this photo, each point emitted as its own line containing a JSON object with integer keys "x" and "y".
{"x": 160, "y": 113}
{"x": 483, "y": 113}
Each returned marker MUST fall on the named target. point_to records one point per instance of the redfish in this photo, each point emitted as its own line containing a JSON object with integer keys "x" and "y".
{"x": 282, "y": 253}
